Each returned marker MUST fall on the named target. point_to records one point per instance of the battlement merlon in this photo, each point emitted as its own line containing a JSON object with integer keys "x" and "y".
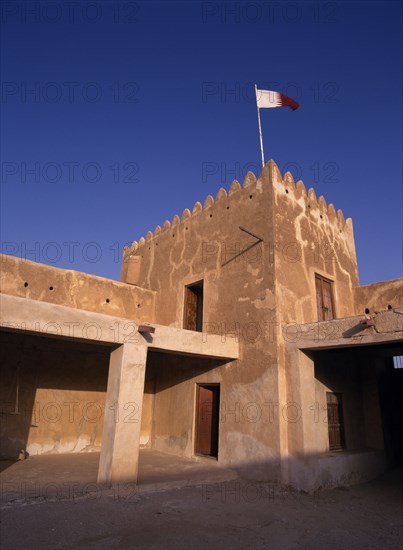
{"x": 316, "y": 207}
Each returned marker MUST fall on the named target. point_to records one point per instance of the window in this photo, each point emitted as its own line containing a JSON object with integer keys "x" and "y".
{"x": 193, "y": 311}
{"x": 324, "y": 298}
{"x": 335, "y": 421}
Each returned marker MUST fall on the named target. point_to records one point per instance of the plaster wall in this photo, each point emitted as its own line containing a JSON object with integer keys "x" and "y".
{"x": 253, "y": 288}
{"x": 61, "y": 395}
{"x": 174, "y": 379}
{"x": 148, "y": 409}
{"x": 379, "y": 296}
{"x": 311, "y": 238}
{"x": 74, "y": 289}
{"x": 238, "y": 273}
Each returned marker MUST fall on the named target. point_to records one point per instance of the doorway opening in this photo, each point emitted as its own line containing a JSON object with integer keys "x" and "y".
{"x": 324, "y": 298}
{"x": 193, "y": 310}
{"x": 207, "y": 419}
{"x": 335, "y": 421}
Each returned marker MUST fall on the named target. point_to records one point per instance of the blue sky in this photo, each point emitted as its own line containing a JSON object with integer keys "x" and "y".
{"x": 118, "y": 115}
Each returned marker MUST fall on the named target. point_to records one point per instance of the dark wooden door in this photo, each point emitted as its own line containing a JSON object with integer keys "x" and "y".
{"x": 327, "y": 300}
{"x": 335, "y": 421}
{"x": 319, "y": 301}
{"x": 207, "y": 419}
{"x": 190, "y": 321}
{"x": 324, "y": 299}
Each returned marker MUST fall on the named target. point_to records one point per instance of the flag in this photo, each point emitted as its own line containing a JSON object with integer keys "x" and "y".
{"x": 269, "y": 99}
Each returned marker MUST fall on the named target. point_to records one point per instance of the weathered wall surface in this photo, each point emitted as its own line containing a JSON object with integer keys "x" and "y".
{"x": 196, "y": 247}
{"x": 311, "y": 238}
{"x": 148, "y": 409}
{"x": 253, "y": 288}
{"x": 172, "y": 379}
{"x": 379, "y": 296}
{"x": 61, "y": 395}
{"x": 74, "y": 289}
{"x": 237, "y": 270}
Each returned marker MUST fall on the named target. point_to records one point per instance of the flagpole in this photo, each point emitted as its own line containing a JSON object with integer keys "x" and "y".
{"x": 260, "y": 128}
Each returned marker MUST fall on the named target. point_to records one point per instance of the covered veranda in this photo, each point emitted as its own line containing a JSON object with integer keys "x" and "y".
{"x": 127, "y": 346}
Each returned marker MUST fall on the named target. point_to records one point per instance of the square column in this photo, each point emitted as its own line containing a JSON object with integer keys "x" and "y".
{"x": 124, "y": 400}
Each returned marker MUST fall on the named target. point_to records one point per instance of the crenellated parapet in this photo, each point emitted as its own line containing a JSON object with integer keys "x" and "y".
{"x": 270, "y": 175}
{"x": 323, "y": 245}
{"x": 222, "y": 194}
{"x": 313, "y": 205}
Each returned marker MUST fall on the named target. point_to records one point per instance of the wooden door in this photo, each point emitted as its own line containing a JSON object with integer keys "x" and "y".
{"x": 190, "y": 315}
{"x": 319, "y": 301}
{"x": 335, "y": 421}
{"x": 207, "y": 419}
{"x": 324, "y": 298}
{"x": 327, "y": 300}
{"x": 193, "y": 307}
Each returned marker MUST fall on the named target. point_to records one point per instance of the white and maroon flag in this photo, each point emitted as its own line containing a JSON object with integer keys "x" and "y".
{"x": 268, "y": 99}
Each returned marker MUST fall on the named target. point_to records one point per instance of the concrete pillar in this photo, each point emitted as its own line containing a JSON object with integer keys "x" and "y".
{"x": 310, "y": 421}
{"x": 302, "y": 412}
{"x": 124, "y": 399}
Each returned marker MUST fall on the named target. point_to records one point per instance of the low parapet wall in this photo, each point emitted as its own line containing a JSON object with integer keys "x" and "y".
{"x": 379, "y": 296}
{"x": 35, "y": 281}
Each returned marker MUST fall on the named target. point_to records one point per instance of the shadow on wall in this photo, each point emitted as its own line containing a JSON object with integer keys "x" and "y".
{"x": 168, "y": 369}
{"x": 53, "y": 398}
{"x": 52, "y": 395}
{"x": 362, "y": 394}
{"x": 169, "y": 399}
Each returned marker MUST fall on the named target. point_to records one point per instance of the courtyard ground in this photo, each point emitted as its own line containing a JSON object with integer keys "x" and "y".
{"x": 188, "y": 511}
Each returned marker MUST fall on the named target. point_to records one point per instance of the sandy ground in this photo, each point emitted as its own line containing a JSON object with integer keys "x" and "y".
{"x": 229, "y": 515}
